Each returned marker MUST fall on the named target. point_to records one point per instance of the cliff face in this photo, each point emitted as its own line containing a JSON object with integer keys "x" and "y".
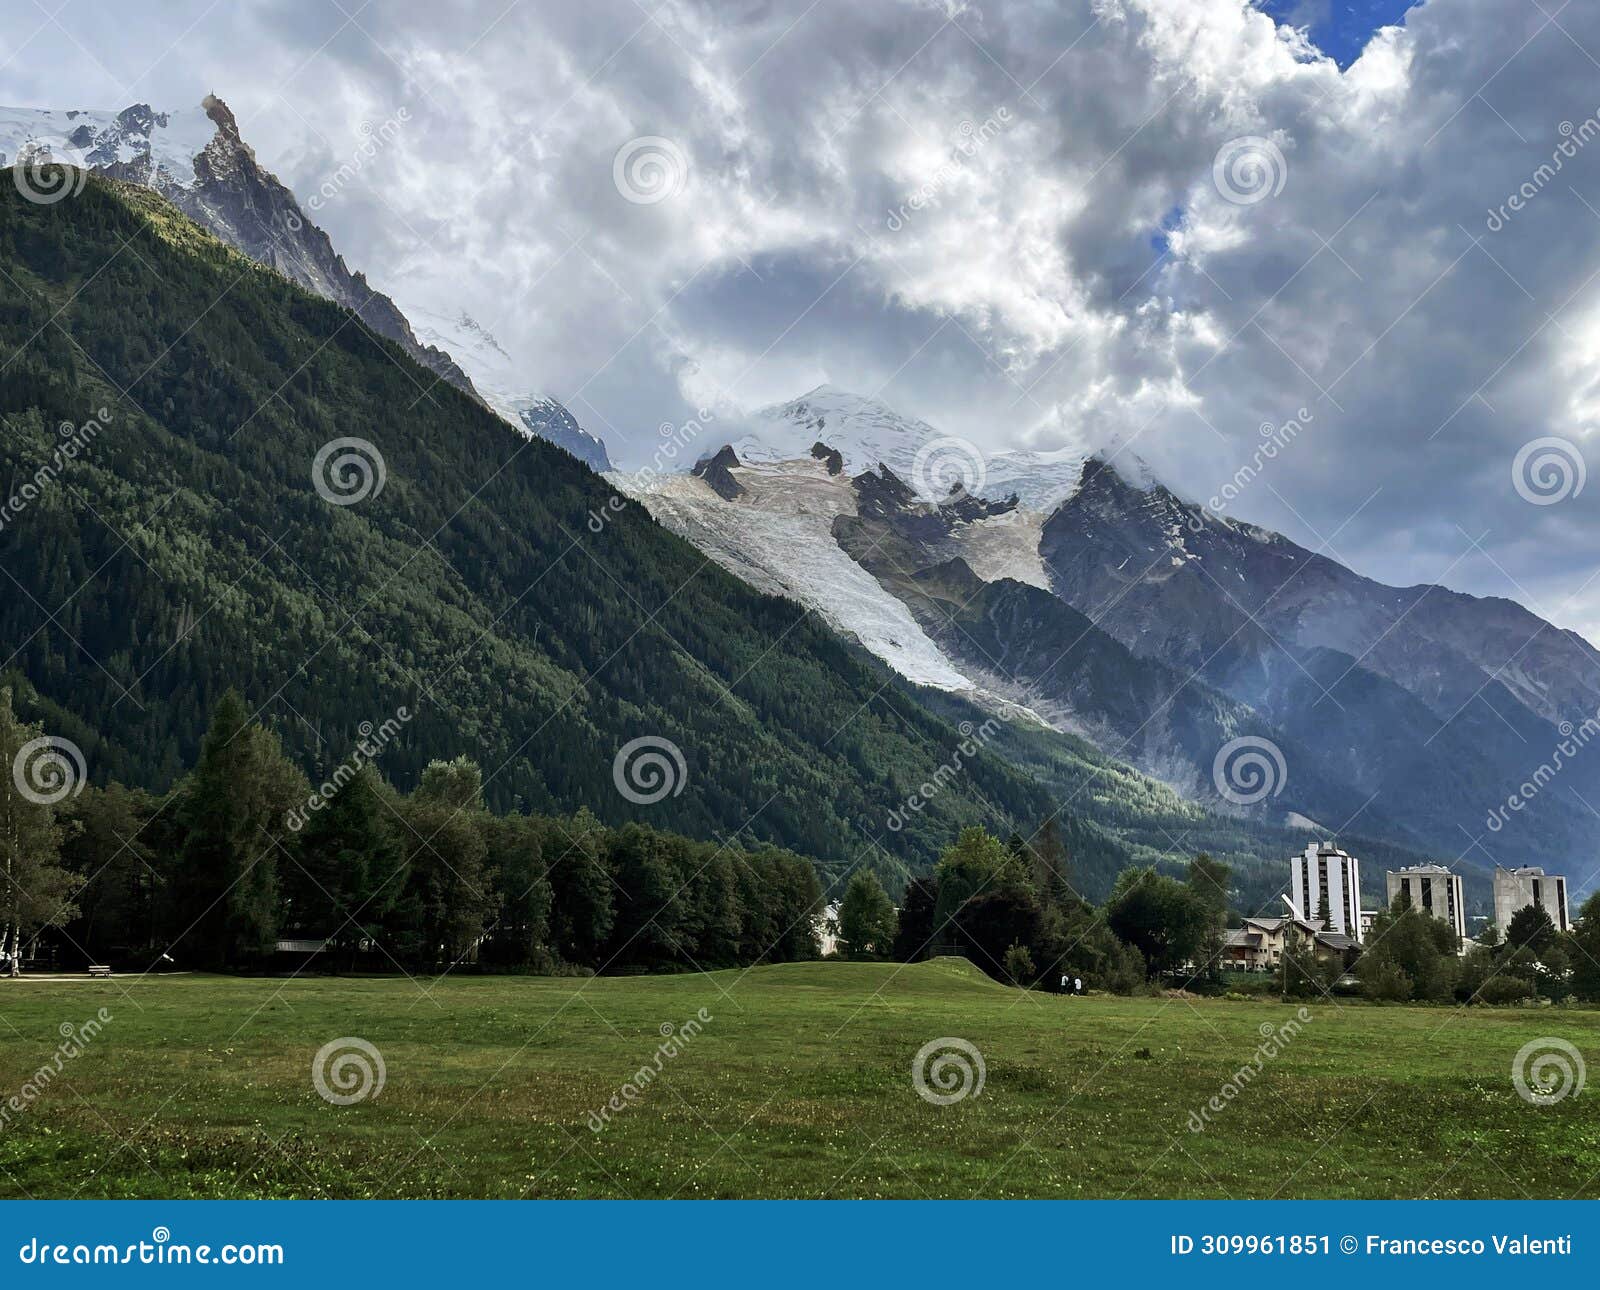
{"x": 249, "y": 208}
{"x": 197, "y": 160}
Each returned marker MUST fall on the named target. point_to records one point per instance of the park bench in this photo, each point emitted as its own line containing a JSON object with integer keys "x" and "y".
{"x": 99, "y": 969}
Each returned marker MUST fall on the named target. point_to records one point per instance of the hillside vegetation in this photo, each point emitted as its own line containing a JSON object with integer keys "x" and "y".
{"x": 494, "y": 587}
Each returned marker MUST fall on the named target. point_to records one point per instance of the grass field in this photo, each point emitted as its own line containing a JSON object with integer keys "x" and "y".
{"x": 798, "y": 1085}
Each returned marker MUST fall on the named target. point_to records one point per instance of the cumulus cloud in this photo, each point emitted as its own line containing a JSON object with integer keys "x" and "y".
{"x": 1007, "y": 218}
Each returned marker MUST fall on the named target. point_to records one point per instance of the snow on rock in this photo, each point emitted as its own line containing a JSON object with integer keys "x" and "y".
{"x": 1005, "y": 546}
{"x": 169, "y": 141}
{"x": 867, "y": 432}
{"x": 495, "y": 376}
{"x": 778, "y": 537}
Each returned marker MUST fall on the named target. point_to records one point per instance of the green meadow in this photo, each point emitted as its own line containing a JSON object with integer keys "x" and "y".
{"x": 794, "y": 1080}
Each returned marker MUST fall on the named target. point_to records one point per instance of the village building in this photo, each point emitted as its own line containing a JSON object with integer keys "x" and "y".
{"x": 1433, "y": 889}
{"x": 1516, "y": 889}
{"x": 1259, "y": 945}
{"x": 1325, "y": 888}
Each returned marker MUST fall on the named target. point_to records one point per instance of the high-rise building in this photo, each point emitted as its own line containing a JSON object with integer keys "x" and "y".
{"x": 1516, "y": 889}
{"x": 1325, "y": 885}
{"x": 1434, "y": 890}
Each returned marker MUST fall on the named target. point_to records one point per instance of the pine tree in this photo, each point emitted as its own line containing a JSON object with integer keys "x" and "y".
{"x": 234, "y": 810}
{"x": 349, "y": 871}
{"x": 111, "y": 839}
{"x": 518, "y": 873}
{"x": 1052, "y": 866}
{"x": 35, "y": 890}
{"x": 585, "y": 907}
{"x": 446, "y": 904}
{"x": 866, "y": 918}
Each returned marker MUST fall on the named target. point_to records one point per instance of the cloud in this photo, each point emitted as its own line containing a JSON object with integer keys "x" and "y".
{"x": 1003, "y": 218}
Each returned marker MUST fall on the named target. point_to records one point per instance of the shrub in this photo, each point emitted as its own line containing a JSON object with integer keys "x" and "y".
{"x": 1388, "y": 983}
{"x": 1019, "y": 965}
{"x": 1504, "y": 989}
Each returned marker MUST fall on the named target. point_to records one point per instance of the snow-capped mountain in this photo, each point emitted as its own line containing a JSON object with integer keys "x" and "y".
{"x": 196, "y": 159}
{"x": 162, "y": 144}
{"x": 496, "y": 377}
{"x": 1121, "y": 612}
{"x": 867, "y": 432}
{"x": 778, "y": 536}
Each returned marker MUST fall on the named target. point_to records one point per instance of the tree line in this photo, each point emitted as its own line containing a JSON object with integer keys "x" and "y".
{"x": 1011, "y": 907}
{"x": 215, "y": 874}
{"x": 1412, "y": 955}
{"x": 241, "y": 858}
{"x": 241, "y": 862}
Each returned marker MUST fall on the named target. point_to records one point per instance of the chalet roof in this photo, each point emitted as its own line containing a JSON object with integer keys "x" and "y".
{"x": 1309, "y": 926}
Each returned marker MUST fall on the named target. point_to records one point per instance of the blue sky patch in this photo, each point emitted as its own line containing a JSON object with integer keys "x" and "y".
{"x": 1340, "y": 28}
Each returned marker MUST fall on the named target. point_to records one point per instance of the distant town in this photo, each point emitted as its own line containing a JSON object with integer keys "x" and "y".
{"x": 1323, "y": 906}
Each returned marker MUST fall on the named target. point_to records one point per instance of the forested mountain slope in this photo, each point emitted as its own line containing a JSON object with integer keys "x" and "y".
{"x": 492, "y": 586}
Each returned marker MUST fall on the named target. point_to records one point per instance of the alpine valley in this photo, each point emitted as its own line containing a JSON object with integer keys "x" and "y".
{"x": 1085, "y": 591}
{"x": 818, "y": 630}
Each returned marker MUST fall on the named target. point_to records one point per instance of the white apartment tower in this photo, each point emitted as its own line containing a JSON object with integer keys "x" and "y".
{"x": 1326, "y": 885}
{"x": 1516, "y": 889}
{"x": 1434, "y": 890}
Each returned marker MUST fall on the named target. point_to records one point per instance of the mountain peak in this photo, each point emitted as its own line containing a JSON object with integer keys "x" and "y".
{"x": 502, "y": 383}
{"x": 863, "y": 430}
{"x": 1121, "y": 468}
{"x": 220, "y": 113}
{"x": 137, "y": 143}
{"x": 867, "y": 432}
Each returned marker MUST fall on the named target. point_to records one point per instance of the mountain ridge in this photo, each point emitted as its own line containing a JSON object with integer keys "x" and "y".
{"x": 466, "y": 583}
{"x": 224, "y": 189}
{"x": 198, "y": 160}
{"x": 1398, "y": 703}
